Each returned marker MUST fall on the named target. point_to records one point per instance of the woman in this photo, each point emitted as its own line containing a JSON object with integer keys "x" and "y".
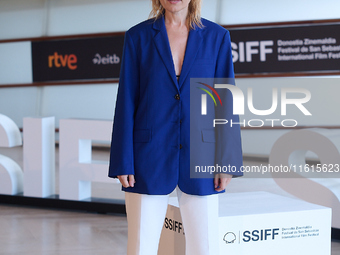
{"x": 150, "y": 151}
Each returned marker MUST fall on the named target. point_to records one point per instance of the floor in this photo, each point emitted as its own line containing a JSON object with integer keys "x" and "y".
{"x": 29, "y": 231}
{"x": 32, "y": 231}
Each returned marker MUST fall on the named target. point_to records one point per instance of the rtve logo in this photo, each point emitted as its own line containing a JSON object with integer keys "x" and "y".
{"x": 57, "y": 61}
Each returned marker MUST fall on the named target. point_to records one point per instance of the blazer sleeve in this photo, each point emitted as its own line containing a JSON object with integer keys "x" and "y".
{"x": 121, "y": 154}
{"x": 228, "y": 140}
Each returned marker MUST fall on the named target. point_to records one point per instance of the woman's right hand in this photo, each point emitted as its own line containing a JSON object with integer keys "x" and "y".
{"x": 127, "y": 180}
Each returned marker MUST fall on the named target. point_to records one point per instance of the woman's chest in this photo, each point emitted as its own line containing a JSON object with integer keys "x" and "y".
{"x": 178, "y": 43}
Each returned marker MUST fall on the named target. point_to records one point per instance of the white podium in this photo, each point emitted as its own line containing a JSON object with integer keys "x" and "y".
{"x": 258, "y": 223}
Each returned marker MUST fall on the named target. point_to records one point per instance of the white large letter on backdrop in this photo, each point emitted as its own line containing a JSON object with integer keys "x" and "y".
{"x": 77, "y": 169}
{"x": 11, "y": 175}
{"x": 39, "y": 157}
{"x": 291, "y": 149}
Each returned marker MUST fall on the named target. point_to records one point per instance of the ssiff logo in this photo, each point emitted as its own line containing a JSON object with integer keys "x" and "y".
{"x": 256, "y": 235}
{"x": 229, "y": 238}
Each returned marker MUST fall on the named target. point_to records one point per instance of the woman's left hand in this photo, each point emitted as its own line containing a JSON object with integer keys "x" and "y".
{"x": 221, "y": 181}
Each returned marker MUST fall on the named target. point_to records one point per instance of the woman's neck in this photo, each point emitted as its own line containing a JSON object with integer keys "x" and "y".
{"x": 176, "y": 19}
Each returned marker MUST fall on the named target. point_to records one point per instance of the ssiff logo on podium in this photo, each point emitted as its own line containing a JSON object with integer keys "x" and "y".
{"x": 283, "y": 233}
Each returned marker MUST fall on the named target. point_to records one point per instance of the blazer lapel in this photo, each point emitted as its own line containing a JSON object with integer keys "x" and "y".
{"x": 193, "y": 45}
{"x": 162, "y": 44}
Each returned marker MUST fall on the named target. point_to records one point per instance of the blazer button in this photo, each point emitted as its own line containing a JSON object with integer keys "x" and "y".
{"x": 177, "y": 97}
{"x": 180, "y": 146}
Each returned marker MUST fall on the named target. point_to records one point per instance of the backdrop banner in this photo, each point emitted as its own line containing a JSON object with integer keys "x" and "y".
{"x": 77, "y": 59}
{"x": 282, "y": 49}
{"x": 256, "y": 50}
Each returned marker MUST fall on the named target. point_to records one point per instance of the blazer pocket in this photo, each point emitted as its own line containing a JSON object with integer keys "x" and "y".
{"x": 208, "y": 136}
{"x": 141, "y": 135}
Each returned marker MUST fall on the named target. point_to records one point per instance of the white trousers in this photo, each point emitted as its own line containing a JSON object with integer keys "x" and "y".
{"x": 146, "y": 214}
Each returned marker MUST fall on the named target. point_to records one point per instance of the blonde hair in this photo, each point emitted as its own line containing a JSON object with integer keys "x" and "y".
{"x": 194, "y": 13}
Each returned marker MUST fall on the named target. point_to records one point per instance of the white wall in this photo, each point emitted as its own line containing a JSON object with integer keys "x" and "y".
{"x": 15, "y": 63}
{"x": 21, "y": 18}
{"x": 34, "y": 18}
{"x": 259, "y": 11}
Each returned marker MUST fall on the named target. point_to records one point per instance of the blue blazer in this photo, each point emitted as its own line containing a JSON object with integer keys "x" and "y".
{"x": 151, "y": 130}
